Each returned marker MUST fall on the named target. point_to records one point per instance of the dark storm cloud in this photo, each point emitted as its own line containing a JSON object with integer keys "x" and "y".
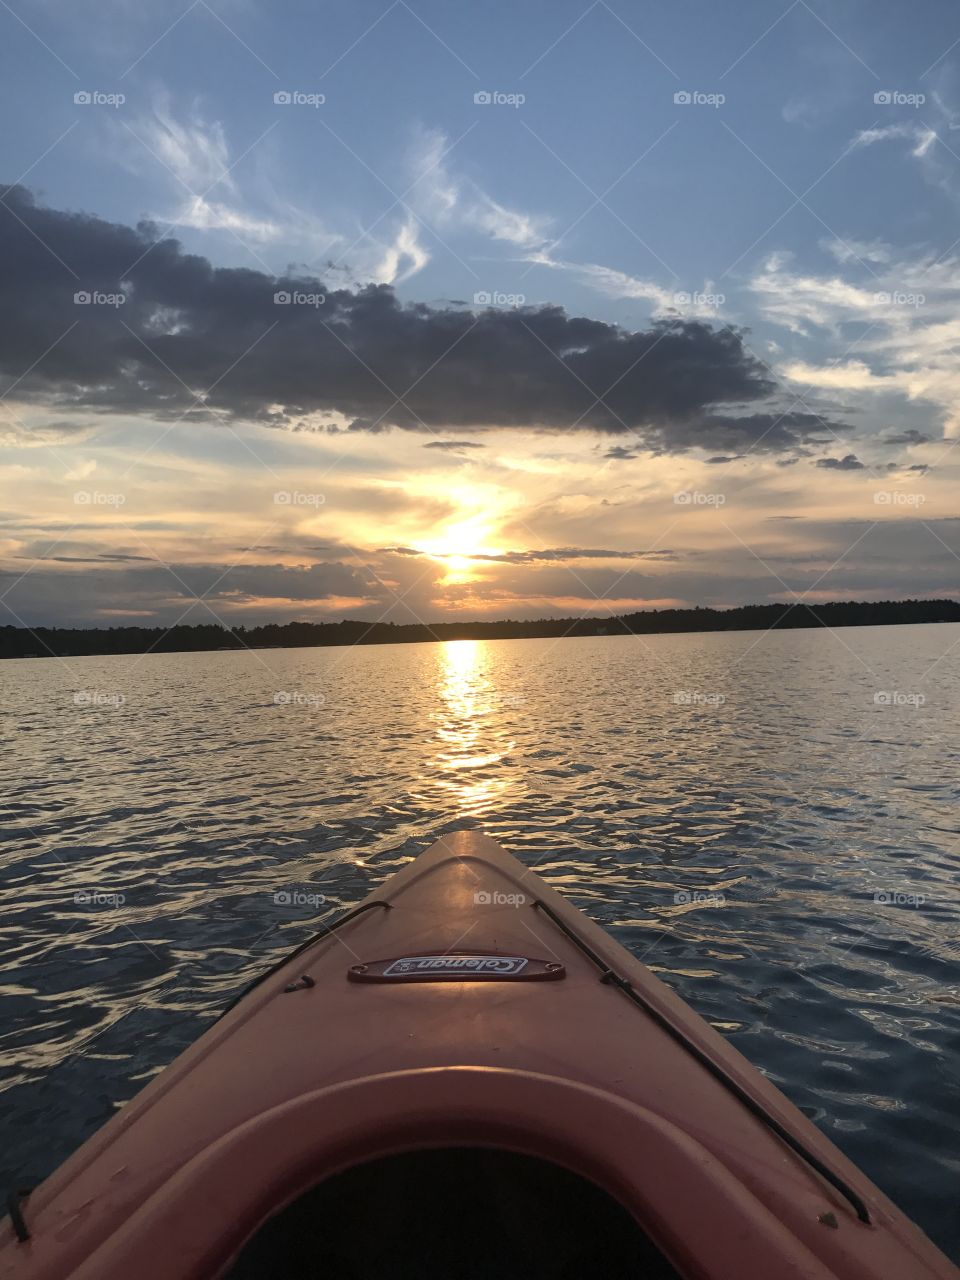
{"x": 165, "y": 593}
{"x": 849, "y": 462}
{"x": 104, "y": 558}
{"x": 547, "y": 555}
{"x": 911, "y": 436}
{"x": 19, "y": 434}
{"x": 771, "y": 432}
{"x": 186, "y": 328}
{"x": 453, "y": 444}
{"x": 252, "y": 581}
{"x": 562, "y": 554}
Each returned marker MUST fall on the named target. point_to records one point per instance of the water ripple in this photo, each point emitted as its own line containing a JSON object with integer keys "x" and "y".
{"x": 738, "y": 810}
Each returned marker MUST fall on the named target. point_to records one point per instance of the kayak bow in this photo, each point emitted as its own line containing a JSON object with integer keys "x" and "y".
{"x": 466, "y": 1077}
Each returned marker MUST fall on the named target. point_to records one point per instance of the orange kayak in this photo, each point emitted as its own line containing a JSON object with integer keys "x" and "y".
{"x": 463, "y": 1077}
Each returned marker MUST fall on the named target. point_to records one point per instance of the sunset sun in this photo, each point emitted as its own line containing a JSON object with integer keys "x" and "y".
{"x": 460, "y": 543}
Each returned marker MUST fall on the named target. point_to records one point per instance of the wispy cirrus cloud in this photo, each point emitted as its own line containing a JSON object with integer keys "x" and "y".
{"x": 920, "y": 136}
{"x": 192, "y": 151}
{"x": 897, "y": 326}
{"x": 455, "y": 203}
{"x": 458, "y": 205}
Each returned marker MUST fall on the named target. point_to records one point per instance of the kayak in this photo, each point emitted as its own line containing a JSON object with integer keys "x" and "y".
{"x": 463, "y": 1077}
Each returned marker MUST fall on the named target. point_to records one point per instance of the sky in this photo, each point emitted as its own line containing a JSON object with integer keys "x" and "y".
{"x": 426, "y": 312}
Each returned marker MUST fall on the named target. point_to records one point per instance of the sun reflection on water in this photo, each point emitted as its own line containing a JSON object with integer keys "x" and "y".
{"x": 472, "y": 740}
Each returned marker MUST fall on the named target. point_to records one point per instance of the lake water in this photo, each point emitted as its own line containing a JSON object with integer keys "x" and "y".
{"x": 768, "y": 820}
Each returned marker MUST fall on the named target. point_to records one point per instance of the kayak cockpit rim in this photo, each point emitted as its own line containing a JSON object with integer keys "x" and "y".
{"x": 273, "y": 1159}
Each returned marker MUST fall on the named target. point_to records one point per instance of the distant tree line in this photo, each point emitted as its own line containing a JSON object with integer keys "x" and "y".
{"x": 40, "y": 642}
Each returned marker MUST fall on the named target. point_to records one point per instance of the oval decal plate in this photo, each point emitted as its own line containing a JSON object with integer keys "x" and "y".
{"x": 445, "y": 966}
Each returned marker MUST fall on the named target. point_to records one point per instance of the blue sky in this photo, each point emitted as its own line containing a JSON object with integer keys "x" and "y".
{"x": 599, "y": 90}
{"x": 791, "y": 170}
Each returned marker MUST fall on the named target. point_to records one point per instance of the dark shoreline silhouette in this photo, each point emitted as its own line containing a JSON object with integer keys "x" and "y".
{"x": 40, "y": 642}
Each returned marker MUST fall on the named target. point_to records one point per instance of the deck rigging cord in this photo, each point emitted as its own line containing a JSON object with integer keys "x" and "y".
{"x": 756, "y": 1108}
{"x": 324, "y": 932}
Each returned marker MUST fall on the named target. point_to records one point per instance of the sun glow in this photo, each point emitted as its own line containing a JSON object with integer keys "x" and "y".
{"x": 460, "y": 544}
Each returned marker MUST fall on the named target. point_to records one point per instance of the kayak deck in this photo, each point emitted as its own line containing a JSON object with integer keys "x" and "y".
{"x": 465, "y": 1010}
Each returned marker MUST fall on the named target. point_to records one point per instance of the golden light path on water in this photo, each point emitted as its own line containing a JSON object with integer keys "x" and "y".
{"x": 471, "y": 740}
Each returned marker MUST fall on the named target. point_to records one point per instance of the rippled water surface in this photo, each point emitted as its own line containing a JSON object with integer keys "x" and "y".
{"x": 768, "y": 820}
